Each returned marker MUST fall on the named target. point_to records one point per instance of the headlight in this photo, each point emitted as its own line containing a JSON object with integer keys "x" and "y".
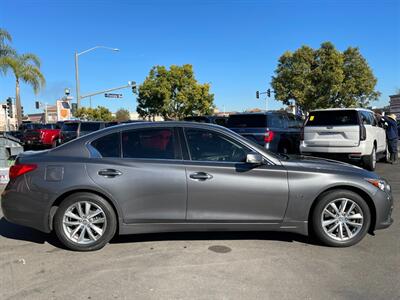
{"x": 380, "y": 184}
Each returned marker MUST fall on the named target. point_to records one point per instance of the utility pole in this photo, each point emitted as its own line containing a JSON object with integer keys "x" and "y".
{"x": 78, "y": 88}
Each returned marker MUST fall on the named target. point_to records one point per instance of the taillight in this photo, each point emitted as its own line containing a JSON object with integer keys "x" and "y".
{"x": 269, "y": 136}
{"x": 363, "y": 133}
{"x": 21, "y": 169}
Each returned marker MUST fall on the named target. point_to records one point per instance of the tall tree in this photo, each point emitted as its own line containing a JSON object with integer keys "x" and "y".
{"x": 5, "y": 48}
{"x": 173, "y": 93}
{"x": 99, "y": 113}
{"x": 324, "y": 78}
{"x": 26, "y": 69}
{"x": 122, "y": 115}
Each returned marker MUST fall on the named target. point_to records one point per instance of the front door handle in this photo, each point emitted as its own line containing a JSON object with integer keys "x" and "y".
{"x": 109, "y": 173}
{"x": 201, "y": 176}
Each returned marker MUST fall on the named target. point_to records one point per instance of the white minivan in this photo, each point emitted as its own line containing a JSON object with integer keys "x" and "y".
{"x": 345, "y": 134}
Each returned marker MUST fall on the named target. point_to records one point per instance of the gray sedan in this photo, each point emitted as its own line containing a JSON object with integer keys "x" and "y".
{"x": 178, "y": 176}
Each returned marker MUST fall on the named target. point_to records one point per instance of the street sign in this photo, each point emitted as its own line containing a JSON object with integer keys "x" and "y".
{"x": 109, "y": 95}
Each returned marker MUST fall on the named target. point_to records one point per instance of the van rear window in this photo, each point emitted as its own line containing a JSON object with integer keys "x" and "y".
{"x": 70, "y": 127}
{"x": 333, "y": 118}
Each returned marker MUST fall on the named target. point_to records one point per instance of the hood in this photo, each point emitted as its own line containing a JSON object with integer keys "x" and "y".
{"x": 326, "y": 165}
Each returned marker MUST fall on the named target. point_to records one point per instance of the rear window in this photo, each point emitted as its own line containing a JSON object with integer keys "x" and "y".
{"x": 33, "y": 126}
{"x": 70, "y": 127}
{"x": 49, "y": 126}
{"x": 247, "y": 121}
{"x": 333, "y": 118}
{"x": 90, "y": 126}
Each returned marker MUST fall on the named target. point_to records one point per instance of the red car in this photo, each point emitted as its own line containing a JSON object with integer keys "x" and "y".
{"x": 41, "y": 135}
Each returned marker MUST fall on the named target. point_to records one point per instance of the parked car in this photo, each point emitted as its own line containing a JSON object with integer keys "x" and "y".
{"x": 30, "y": 134}
{"x": 208, "y": 119}
{"x": 49, "y": 134}
{"x": 345, "y": 134}
{"x": 276, "y": 131}
{"x": 73, "y": 129}
{"x": 181, "y": 176}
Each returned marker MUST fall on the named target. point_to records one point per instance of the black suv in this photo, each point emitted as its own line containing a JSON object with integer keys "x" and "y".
{"x": 276, "y": 131}
{"x": 73, "y": 129}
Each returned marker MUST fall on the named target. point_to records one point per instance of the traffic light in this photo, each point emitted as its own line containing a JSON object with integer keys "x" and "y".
{"x": 74, "y": 107}
{"x": 257, "y": 94}
{"x": 269, "y": 93}
{"x": 10, "y": 108}
{"x": 22, "y": 111}
{"x": 134, "y": 89}
{"x": 37, "y": 104}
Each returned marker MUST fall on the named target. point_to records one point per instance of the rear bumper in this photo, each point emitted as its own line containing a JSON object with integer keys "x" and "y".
{"x": 19, "y": 207}
{"x": 341, "y": 152}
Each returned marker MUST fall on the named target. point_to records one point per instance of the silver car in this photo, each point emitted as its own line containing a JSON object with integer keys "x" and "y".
{"x": 181, "y": 176}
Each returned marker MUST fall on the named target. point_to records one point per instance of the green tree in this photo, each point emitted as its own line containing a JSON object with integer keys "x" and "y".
{"x": 122, "y": 115}
{"x": 173, "y": 94}
{"x": 324, "y": 78}
{"x": 26, "y": 68}
{"x": 5, "y": 48}
{"x": 99, "y": 113}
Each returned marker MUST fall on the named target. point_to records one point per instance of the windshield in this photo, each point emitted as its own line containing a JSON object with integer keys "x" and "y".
{"x": 70, "y": 127}
{"x": 333, "y": 118}
{"x": 90, "y": 126}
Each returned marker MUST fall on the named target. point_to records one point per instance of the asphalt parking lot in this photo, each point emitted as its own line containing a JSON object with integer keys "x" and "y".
{"x": 203, "y": 265}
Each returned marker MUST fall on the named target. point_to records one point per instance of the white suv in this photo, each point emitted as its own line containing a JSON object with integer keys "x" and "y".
{"x": 345, "y": 134}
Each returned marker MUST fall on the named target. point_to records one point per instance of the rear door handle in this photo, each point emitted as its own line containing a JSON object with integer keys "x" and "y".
{"x": 109, "y": 173}
{"x": 201, "y": 176}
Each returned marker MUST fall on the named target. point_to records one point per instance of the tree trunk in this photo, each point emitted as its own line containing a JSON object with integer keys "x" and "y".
{"x": 18, "y": 103}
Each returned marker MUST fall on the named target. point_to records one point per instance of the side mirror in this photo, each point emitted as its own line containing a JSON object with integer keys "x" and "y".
{"x": 254, "y": 159}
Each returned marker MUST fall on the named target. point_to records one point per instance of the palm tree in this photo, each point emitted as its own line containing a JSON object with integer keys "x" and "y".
{"x": 26, "y": 68}
{"x": 5, "y": 49}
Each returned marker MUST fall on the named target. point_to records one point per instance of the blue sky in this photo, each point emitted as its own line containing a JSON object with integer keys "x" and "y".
{"x": 234, "y": 45}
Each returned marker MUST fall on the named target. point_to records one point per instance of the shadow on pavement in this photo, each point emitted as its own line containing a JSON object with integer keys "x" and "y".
{"x": 17, "y": 232}
{"x": 228, "y": 235}
{"x": 22, "y": 233}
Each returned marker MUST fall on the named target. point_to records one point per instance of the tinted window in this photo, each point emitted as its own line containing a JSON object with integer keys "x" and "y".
{"x": 197, "y": 119}
{"x": 220, "y": 121}
{"x": 33, "y": 126}
{"x": 332, "y": 118}
{"x": 210, "y": 146}
{"x": 148, "y": 143}
{"x": 294, "y": 121}
{"x": 49, "y": 126}
{"x": 247, "y": 121}
{"x": 90, "y": 126}
{"x": 109, "y": 124}
{"x": 108, "y": 146}
{"x": 70, "y": 127}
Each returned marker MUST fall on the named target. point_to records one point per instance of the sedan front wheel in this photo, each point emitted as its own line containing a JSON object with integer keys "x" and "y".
{"x": 341, "y": 218}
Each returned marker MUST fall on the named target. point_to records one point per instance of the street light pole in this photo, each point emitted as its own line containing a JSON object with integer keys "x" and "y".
{"x": 78, "y": 91}
{"x": 78, "y": 88}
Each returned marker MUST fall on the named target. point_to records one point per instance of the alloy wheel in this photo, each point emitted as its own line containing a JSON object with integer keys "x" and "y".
{"x": 342, "y": 219}
{"x": 84, "y": 222}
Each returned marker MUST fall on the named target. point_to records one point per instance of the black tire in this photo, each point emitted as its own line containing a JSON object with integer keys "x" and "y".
{"x": 369, "y": 161}
{"x": 54, "y": 144}
{"x": 323, "y": 201}
{"x": 109, "y": 213}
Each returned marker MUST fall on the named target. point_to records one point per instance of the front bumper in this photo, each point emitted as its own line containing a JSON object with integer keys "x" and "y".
{"x": 384, "y": 209}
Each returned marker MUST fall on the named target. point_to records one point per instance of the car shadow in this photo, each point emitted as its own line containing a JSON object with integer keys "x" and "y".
{"x": 22, "y": 233}
{"x": 216, "y": 236}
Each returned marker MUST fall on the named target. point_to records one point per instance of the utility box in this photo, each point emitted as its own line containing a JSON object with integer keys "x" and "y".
{"x": 9, "y": 147}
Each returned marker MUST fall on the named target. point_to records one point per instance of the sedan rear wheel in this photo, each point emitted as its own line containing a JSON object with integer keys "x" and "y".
{"x": 85, "y": 222}
{"x": 341, "y": 218}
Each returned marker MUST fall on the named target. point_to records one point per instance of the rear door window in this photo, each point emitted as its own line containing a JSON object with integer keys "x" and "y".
{"x": 332, "y": 118}
{"x": 108, "y": 146}
{"x": 155, "y": 143}
{"x": 247, "y": 121}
